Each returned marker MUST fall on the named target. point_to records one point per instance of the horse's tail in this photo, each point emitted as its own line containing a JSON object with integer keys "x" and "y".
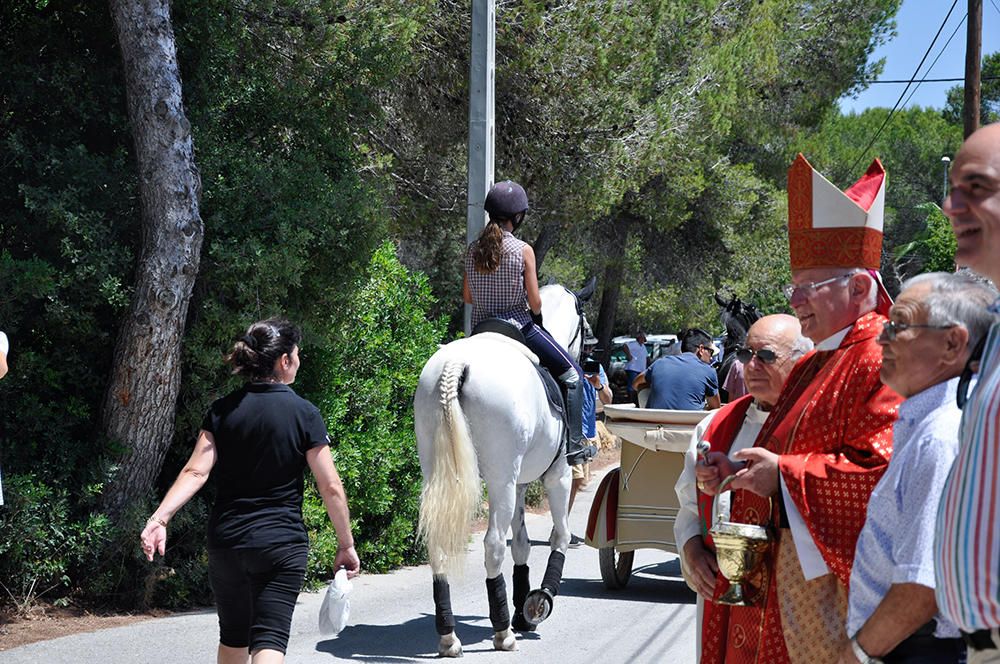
{"x": 452, "y": 492}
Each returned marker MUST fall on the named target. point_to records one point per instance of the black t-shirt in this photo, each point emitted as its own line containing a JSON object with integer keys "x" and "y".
{"x": 261, "y": 432}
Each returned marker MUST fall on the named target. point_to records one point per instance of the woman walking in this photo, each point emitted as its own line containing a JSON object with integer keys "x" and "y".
{"x": 258, "y": 441}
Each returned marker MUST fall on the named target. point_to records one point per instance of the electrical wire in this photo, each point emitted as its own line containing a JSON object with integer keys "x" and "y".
{"x": 932, "y": 80}
{"x": 940, "y": 53}
{"x": 903, "y": 94}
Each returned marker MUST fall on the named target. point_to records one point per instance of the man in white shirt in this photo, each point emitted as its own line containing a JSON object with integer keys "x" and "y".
{"x": 4, "y": 346}
{"x": 637, "y": 357}
{"x": 773, "y": 345}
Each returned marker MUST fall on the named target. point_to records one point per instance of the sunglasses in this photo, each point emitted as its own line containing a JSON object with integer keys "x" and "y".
{"x": 891, "y": 328}
{"x": 808, "y": 290}
{"x": 765, "y": 355}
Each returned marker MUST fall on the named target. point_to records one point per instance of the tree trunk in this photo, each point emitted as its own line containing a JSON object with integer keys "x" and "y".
{"x": 140, "y": 403}
{"x": 619, "y": 227}
{"x": 547, "y": 238}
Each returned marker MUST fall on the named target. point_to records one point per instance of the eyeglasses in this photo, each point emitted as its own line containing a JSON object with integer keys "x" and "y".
{"x": 808, "y": 290}
{"x": 971, "y": 369}
{"x": 891, "y": 328}
{"x": 765, "y": 355}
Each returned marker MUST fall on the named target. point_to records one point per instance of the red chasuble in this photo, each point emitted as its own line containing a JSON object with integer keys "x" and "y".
{"x": 832, "y": 427}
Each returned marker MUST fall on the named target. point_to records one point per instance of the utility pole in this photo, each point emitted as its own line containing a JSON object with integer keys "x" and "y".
{"x": 482, "y": 67}
{"x": 973, "y": 60}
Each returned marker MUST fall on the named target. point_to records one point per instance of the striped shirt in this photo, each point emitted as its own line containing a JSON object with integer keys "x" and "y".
{"x": 967, "y": 543}
{"x": 500, "y": 294}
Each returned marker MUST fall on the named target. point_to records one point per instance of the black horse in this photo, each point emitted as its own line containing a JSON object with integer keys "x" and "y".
{"x": 737, "y": 316}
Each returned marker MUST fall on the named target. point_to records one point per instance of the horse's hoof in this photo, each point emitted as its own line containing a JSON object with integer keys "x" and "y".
{"x": 449, "y": 646}
{"x": 538, "y": 606}
{"x": 504, "y": 640}
{"x": 520, "y": 624}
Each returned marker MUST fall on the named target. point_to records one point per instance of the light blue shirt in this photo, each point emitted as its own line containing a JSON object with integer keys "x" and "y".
{"x": 896, "y": 544}
{"x": 590, "y": 405}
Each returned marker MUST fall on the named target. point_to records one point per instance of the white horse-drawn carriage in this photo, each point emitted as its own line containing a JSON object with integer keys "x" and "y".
{"x": 635, "y": 505}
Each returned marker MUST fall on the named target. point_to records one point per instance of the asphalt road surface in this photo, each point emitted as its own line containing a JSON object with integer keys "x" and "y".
{"x": 392, "y": 617}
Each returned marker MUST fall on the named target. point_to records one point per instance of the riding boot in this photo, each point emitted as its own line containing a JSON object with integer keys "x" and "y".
{"x": 576, "y": 451}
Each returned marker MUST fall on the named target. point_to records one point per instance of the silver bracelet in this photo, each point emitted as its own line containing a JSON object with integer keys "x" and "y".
{"x": 860, "y": 653}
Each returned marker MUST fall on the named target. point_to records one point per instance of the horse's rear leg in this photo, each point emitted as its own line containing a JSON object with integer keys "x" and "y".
{"x": 501, "y": 498}
{"x": 444, "y": 620}
{"x": 520, "y": 548}
{"x": 557, "y": 481}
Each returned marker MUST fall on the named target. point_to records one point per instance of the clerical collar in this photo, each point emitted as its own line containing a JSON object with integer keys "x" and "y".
{"x": 755, "y": 414}
{"x": 833, "y": 341}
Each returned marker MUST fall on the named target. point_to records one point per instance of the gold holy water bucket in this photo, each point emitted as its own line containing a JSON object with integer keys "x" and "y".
{"x": 740, "y": 549}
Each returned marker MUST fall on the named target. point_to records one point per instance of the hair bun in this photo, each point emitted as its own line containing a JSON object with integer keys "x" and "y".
{"x": 249, "y": 341}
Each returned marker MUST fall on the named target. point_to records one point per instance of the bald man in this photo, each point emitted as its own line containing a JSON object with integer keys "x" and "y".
{"x": 773, "y": 345}
{"x": 967, "y": 541}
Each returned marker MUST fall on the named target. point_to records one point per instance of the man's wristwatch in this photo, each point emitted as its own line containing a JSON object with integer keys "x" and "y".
{"x": 860, "y": 653}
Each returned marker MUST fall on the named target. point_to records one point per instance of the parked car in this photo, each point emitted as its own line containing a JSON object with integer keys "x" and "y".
{"x": 657, "y": 345}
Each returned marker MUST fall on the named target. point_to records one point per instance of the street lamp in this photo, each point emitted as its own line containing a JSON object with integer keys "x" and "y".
{"x": 945, "y": 163}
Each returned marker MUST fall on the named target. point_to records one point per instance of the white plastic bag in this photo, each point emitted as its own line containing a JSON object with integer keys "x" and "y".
{"x": 336, "y": 607}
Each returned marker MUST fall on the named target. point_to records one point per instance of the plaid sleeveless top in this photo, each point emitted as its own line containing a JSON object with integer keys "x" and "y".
{"x": 500, "y": 294}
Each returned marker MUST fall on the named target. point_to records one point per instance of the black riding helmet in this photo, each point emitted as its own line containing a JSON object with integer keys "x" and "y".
{"x": 507, "y": 200}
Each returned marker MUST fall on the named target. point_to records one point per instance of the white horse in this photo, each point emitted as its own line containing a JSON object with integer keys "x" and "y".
{"x": 480, "y": 410}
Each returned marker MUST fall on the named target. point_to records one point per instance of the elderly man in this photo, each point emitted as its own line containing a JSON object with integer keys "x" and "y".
{"x": 932, "y": 329}
{"x": 828, "y": 439}
{"x": 773, "y": 345}
{"x": 967, "y": 543}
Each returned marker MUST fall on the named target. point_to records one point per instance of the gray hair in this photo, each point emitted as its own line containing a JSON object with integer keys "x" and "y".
{"x": 871, "y": 297}
{"x": 957, "y": 299}
{"x": 800, "y": 347}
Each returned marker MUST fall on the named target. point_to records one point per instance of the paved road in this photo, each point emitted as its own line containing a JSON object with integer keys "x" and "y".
{"x": 392, "y": 618}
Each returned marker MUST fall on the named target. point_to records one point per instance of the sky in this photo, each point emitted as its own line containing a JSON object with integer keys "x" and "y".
{"x": 916, "y": 24}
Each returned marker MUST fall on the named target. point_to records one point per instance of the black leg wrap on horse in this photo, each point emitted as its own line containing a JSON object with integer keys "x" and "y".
{"x": 522, "y": 585}
{"x": 496, "y": 591}
{"x": 554, "y": 572}
{"x": 444, "y": 620}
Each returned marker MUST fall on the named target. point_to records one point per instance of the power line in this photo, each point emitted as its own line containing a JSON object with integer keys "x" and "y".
{"x": 903, "y": 94}
{"x": 995, "y": 6}
{"x": 932, "y": 80}
{"x": 940, "y": 53}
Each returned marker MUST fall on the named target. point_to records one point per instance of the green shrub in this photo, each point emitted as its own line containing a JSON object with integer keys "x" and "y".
{"x": 535, "y": 495}
{"x": 365, "y": 392}
{"x": 933, "y": 249}
{"x": 40, "y": 545}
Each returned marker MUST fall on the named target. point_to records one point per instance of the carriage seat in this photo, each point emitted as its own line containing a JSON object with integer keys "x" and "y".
{"x": 500, "y": 327}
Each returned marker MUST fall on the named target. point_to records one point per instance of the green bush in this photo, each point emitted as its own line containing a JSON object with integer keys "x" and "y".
{"x": 365, "y": 391}
{"x": 933, "y": 249}
{"x": 40, "y": 545}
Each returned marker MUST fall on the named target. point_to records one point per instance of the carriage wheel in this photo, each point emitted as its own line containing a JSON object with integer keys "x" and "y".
{"x": 616, "y": 568}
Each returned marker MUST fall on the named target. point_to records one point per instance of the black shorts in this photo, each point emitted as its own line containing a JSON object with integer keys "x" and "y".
{"x": 255, "y": 593}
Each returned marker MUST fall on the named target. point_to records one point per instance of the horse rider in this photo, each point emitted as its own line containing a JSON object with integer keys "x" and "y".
{"x": 500, "y": 282}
